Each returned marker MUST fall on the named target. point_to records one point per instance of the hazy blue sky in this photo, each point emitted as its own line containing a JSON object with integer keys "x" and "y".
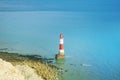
{"x": 61, "y": 5}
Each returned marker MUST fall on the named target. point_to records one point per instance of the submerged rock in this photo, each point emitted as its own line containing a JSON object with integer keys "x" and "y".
{"x": 86, "y": 65}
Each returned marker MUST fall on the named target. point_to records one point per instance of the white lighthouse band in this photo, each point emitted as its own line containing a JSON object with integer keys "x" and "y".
{"x": 61, "y": 41}
{"x": 61, "y": 52}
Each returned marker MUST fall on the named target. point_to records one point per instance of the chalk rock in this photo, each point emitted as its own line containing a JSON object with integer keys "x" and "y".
{"x": 28, "y": 72}
{"x": 9, "y": 72}
{"x": 18, "y": 72}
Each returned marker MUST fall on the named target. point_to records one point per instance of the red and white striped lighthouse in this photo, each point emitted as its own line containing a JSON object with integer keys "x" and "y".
{"x": 60, "y": 54}
{"x": 61, "y": 46}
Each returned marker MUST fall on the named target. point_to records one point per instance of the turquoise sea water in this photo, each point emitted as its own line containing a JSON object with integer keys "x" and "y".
{"x": 92, "y": 40}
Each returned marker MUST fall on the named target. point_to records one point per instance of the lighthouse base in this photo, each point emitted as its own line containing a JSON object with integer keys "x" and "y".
{"x": 59, "y": 56}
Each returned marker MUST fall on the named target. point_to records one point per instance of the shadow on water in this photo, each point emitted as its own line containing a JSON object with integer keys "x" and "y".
{"x": 61, "y": 68}
{"x": 60, "y": 63}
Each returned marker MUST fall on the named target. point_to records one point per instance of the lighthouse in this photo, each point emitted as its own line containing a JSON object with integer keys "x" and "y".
{"x": 61, "y": 45}
{"x": 60, "y": 54}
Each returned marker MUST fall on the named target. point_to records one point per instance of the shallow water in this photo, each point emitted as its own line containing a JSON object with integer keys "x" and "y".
{"x": 95, "y": 69}
{"x": 92, "y": 40}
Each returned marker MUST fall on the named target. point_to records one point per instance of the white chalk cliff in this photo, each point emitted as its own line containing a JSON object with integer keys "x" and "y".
{"x": 19, "y": 72}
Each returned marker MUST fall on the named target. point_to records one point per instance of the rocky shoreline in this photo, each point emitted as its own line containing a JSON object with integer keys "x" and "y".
{"x": 43, "y": 69}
